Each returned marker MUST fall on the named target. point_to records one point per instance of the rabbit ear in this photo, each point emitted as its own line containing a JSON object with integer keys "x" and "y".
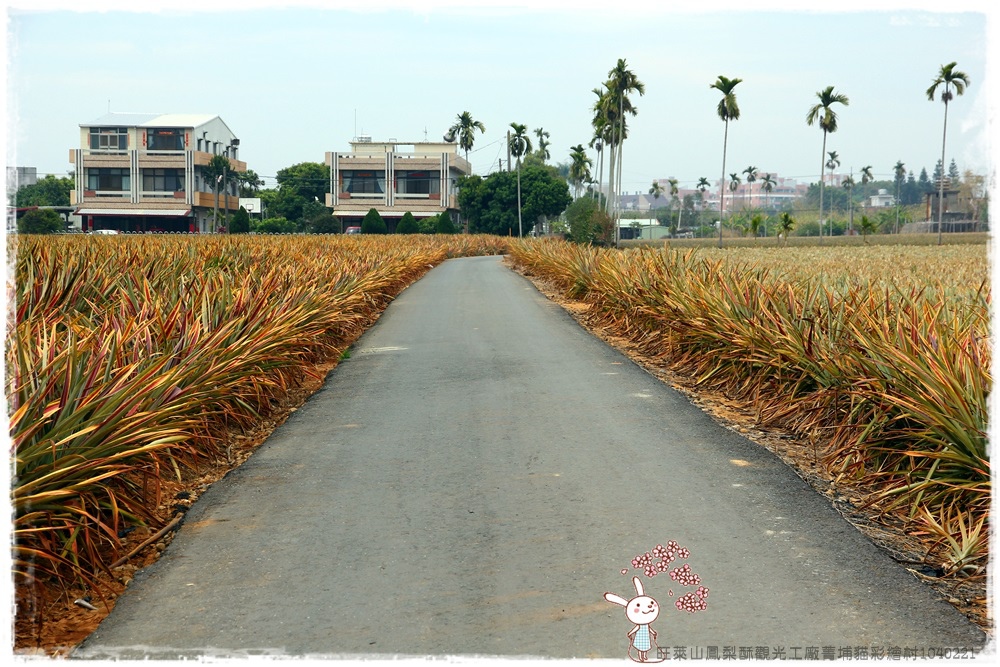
{"x": 638, "y": 586}
{"x": 616, "y": 599}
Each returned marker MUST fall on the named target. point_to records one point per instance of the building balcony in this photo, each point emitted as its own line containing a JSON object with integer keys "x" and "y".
{"x": 207, "y": 200}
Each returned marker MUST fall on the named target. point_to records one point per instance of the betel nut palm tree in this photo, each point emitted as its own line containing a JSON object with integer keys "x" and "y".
{"x": 767, "y": 185}
{"x": 948, "y": 77}
{"x": 823, "y": 113}
{"x": 543, "y": 145}
{"x": 751, "y": 174}
{"x": 899, "y": 173}
{"x": 464, "y": 129}
{"x": 727, "y": 110}
{"x": 520, "y": 145}
{"x": 621, "y": 82}
{"x": 579, "y": 168}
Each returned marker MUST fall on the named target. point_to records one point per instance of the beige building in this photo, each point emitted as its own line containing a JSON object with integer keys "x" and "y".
{"x": 143, "y": 172}
{"x": 394, "y": 177}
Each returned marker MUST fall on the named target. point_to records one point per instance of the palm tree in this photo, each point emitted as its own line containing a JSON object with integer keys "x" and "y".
{"x": 464, "y": 128}
{"x": 579, "y": 168}
{"x": 520, "y": 145}
{"x": 734, "y": 183}
{"x": 673, "y": 198}
{"x": 768, "y": 183}
{"x": 833, "y": 161}
{"x": 727, "y": 110}
{"x": 867, "y": 226}
{"x": 543, "y": 145}
{"x": 899, "y": 171}
{"x": 786, "y": 223}
{"x": 751, "y": 173}
{"x": 948, "y": 76}
{"x": 621, "y": 82}
{"x": 656, "y": 190}
{"x": 827, "y": 117}
{"x": 849, "y": 186}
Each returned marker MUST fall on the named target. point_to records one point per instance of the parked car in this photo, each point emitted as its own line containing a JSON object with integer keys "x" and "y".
{"x": 105, "y": 231}
{"x": 352, "y": 230}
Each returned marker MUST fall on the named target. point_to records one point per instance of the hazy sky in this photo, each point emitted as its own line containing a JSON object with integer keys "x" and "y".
{"x": 295, "y": 82}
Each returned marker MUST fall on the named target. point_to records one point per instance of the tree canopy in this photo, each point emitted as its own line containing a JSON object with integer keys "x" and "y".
{"x": 48, "y": 191}
{"x": 490, "y": 204}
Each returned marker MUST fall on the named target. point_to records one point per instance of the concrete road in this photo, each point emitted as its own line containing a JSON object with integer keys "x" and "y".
{"x": 474, "y": 479}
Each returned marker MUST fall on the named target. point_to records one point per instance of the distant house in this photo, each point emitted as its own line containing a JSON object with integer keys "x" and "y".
{"x": 143, "y": 172}
{"x": 394, "y": 178}
{"x": 883, "y": 199}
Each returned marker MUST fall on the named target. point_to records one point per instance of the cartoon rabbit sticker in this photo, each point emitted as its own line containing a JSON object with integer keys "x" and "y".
{"x": 641, "y": 610}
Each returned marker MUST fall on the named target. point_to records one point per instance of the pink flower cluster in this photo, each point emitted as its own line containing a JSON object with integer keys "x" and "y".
{"x": 691, "y": 603}
{"x": 684, "y": 576}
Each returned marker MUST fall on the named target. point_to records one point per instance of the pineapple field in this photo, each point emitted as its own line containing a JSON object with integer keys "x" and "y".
{"x": 134, "y": 363}
{"x": 878, "y": 357}
{"x": 133, "y": 360}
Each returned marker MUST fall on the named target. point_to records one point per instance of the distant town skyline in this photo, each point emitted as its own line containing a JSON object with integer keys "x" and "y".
{"x": 297, "y": 81}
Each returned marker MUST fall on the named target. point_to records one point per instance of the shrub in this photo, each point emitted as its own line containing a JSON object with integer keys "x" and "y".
{"x": 428, "y": 225}
{"x": 240, "y": 223}
{"x": 325, "y": 223}
{"x": 275, "y": 226}
{"x": 444, "y": 224}
{"x": 408, "y": 225}
{"x": 373, "y": 223}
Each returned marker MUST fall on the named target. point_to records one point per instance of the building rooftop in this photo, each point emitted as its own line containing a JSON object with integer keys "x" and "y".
{"x": 124, "y": 119}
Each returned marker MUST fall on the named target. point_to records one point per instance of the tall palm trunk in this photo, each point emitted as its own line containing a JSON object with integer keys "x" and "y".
{"x": 944, "y": 136}
{"x": 822, "y": 179}
{"x": 722, "y": 183}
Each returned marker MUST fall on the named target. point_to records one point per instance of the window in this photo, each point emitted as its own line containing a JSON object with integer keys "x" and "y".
{"x": 162, "y": 180}
{"x": 109, "y": 138}
{"x": 165, "y": 139}
{"x": 108, "y": 179}
{"x": 363, "y": 182}
{"x": 418, "y": 182}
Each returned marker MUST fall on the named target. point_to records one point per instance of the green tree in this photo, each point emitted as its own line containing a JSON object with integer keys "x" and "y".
{"x": 310, "y": 180}
{"x": 408, "y": 224}
{"x": 727, "y": 110}
{"x": 948, "y": 77}
{"x": 48, "y": 191}
{"x": 240, "y": 224}
{"x": 40, "y": 221}
{"x": 490, "y": 204}
{"x": 823, "y": 113}
{"x": 444, "y": 224}
{"x": 373, "y": 223}
{"x": 520, "y": 144}
{"x": 464, "y": 128}
{"x": 581, "y": 216}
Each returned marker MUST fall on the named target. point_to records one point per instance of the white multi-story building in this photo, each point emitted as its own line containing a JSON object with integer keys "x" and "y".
{"x": 394, "y": 177}
{"x": 143, "y": 172}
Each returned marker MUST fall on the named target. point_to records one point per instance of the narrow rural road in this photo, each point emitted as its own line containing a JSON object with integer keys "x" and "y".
{"x": 474, "y": 479}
